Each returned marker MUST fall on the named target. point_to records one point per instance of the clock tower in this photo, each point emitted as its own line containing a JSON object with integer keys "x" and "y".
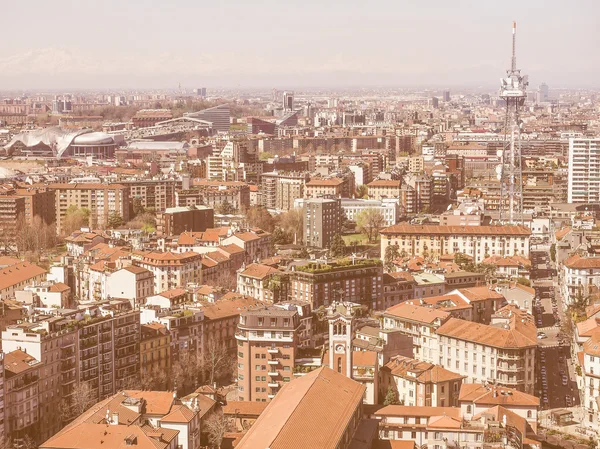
{"x": 341, "y": 334}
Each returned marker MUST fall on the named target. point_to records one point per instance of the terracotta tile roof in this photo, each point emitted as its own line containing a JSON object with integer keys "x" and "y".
{"x": 59, "y": 287}
{"x": 508, "y": 261}
{"x": 483, "y": 293}
{"x": 19, "y": 273}
{"x": 444, "y": 422}
{"x": 173, "y": 293}
{"x": 258, "y": 271}
{"x": 424, "y": 372}
{"x": 6, "y": 261}
{"x": 179, "y": 414}
{"x": 486, "y": 335}
{"x": 562, "y": 232}
{"x": 578, "y": 262}
{"x": 364, "y": 358}
{"x": 100, "y": 436}
{"x": 446, "y": 303}
{"x": 587, "y": 327}
{"x": 331, "y": 182}
{"x": 136, "y": 270}
{"x": 494, "y": 395}
{"x": 592, "y": 346}
{"x": 18, "y": 361}
{"x": 154, "y": 328}
{"x": 394, "y": 444}
{"x": 230, "y": 305}
{"x": 244, "y": 408}
{"x": 232, "y": 248}
{"x": 385, "y": 183}
{"x": 312, "y": 411}
{"x": 246, "y": 236}
{"x": 418, "y": 314}
{"x": 512, "y": 419}
{"x": 592, "y": 310}
{"x": 399, "y": 229}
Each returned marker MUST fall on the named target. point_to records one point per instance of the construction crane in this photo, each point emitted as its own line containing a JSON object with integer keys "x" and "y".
{"x": 513, "y": 92}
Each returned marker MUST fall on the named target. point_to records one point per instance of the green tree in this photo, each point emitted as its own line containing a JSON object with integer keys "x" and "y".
{"x": 369, "y": 222}
{"x": 553, "y": 252}
{"x": 362, "y": 191}
{"x": 115, "y": 220}
{"x": 226, "y": 208}
{"x": 75, "y": 219}
{"x": 303, "y": 254}
{"x": 260, "y": 217}
{"x": 280, "y": 237}
{"x": 138, "y": 207}
{"x": 524, "y": 281}
{"x": 391, "y": 398}
{"x": 337, "y": 248}
{"x": 392, "y": 252}
{"x": 292, "y": 222}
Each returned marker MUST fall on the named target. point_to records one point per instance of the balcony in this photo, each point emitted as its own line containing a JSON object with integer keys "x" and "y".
{"x": 273, "y": 362}
{"x": 271, "y": 395}
{"x": 272, "y": 350}
{"x": 273, "y": 373}
{"x": 273, "y": 384}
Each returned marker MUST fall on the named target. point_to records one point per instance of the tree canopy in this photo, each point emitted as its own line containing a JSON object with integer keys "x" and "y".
{"x": 369, "y": 222}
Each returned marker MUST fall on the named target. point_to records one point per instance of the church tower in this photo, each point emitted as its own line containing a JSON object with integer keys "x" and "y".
{"x": 341, "y": 333}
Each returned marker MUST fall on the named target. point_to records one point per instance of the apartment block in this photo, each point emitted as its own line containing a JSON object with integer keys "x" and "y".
{"x": 478, "y": 242}
{"x": 176, "y": 220}
{"x": 384, "y": 189}
{"x": 12, "y": 211}
{"x": 100, "y": 199}
{"x": 502, "y": 353}
{"x": 319, "y": 284}
{"x": 584, "y": 170}
{"x": 267, "y": 341}
{"x": 280, "y": 189}
{"x": 591, "y": 381}
{"x": 322, "y": 221}
{"x": 171, "y": 270}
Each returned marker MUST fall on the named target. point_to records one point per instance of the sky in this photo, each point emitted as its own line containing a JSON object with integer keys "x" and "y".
{"x": 284, "y": 44}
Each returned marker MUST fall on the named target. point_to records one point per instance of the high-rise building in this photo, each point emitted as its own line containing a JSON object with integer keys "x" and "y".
{"x": 584, "y": 170}
{"x": 219, "y": 116}
{"x": 446, "y": 95}
{"x": 267, "y": 342}
{"x": 542, "y": 95}
{"x": 322, "y": 221}
{"x": 288, "y": 101}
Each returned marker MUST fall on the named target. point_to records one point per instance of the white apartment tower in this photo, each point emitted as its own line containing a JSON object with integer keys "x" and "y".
{"x": 584, "y": 170}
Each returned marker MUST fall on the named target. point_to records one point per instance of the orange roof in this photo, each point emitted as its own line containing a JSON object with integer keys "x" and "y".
{"x": 59, "y": 287}
{"x": 385, "y": 183}
{"x": 494, "y": 395}
{"x": 245, "y": 408}
{"x": 587, "y": 327}
{"x": 486, "y": 335}
{"x": 419, "y": 314}
{"x": 447, "y": 303}
{"x": 364, "y": 358}
{"x": 6, "y": 261}
{"x": 482, "y": 293}
{"x": 578, "y": 262}
{"x": 405, "y": 410}
{"x": 18, "y": 361}
{"x": 173, "y": 293}
{"x": 19, "y": 273}
{"x": 179, "y": 414}
{"x": 454, "y": 230}
{"x": 231, "y": 304}
{"x": 423, "y": 372}
{"x": 157, "y": 402}
{"x": 258, "y": 271}
{"x": 312, "y": 411}
{"x": 562, "y": 232}
{"x": 331, "y": 182}
{"x": 507, "y": 261}
{"x": 444, "y": 422}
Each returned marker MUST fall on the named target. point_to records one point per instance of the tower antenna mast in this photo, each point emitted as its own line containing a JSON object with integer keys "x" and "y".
{"x": 513, "y": 92}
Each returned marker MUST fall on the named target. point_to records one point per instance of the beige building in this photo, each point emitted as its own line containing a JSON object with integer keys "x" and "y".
{"x": 381, "y": 189}
{"x": 267, "y": 342}
{"x": 478, "y": 242}
{"x": 100, "y": 199}
{"x": 172, "y": 270}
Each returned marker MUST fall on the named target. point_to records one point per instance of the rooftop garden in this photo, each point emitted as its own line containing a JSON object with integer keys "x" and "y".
{"x": 340, "y": 264}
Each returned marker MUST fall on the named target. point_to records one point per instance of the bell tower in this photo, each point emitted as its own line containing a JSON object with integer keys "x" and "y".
{"x": 341, "y": 333}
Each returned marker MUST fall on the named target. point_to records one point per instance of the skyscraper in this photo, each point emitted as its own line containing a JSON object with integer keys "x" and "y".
{"x": 584, "y": 170}
{"x": 446, "y": 95}
{"x": 288, "y": 101}
{"x": 542, "y": 93}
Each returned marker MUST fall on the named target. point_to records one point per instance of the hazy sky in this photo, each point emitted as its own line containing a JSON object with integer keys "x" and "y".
{"x": 279, "y": 43}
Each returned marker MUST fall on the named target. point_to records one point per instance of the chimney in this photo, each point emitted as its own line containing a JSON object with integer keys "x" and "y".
{"x": 115, "y": 419}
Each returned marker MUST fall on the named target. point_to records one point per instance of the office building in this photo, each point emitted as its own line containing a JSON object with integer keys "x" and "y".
{"x": 288, "y": 101}
{"x": 322, "y": 221}
{"x": 176, "y": 220}
{"x": 584, "y": 170}
{"x": 219, "y": 116}
{"x": 267, "y": 342}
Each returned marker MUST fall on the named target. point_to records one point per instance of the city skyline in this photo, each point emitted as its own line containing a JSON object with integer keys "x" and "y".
{"x": 464, "y": 44}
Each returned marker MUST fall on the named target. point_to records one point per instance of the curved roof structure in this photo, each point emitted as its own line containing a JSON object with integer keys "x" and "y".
{"x": 59, "y": 139}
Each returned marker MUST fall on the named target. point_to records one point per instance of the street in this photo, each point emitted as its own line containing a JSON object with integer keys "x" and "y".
{"x": 557, "y": 386}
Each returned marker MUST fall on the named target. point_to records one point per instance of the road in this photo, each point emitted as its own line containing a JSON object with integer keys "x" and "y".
{"x": 553, "y": 360}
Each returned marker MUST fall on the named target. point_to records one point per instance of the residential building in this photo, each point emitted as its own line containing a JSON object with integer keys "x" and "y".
{"x": 421, "y": 324}
{"x": 267, "y": 341}
{"x": 322, "y": 221}
{"x": 319, "y": 284}
{"x": 581, "y": 276}
{"x": 172, "y": 270}
{"x": 398, "y": 287}
{"x": 255, "y": 242}
{"x": 155, "y": 349}
{"x": 262, "y": 282}
{"x": 39, "y": 202}
{"x": 510, "y": 267}
{"x": 384, "y": 189}
{"x": 428, "y": 284}
{"x": 17, "y": 276}
{"x": 389, "y": 208}
{"x": 176, "y": 220}
{"x": 280, "y": 189}
{"x": 101, "y": 200}
{"x": 22, "y": 379}
{"x": 502, "y": 353}
{"x": 327, "y": 398}
{"x": 12, "y": 215}
{"x": 328, "y": 187}
{"x": 477, "y": 398}
{"x": 420, "y": 383}
{"x": 463, "y": 279}
{"x": 477, "y": 242}
{"x": 584, "y": 174}
{"x": 590, "y": 390}
{"x": 152, "y": 194}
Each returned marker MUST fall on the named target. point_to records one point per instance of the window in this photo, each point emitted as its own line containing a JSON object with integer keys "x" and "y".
{"x": 257, "y": 378}
{"x": 469, "y": 409}
{"x": 529, "y": 414}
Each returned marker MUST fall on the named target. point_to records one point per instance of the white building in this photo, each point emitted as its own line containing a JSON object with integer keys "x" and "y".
{"x": 591, "y": 381}
{"x": 584, "y": 170}
{"x": 581, "y": 275}
{"x": 389, "y": 208}
{"x": 172, "y": 270}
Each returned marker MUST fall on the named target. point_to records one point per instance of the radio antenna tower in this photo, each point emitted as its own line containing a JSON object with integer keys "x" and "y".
{"x": 513, "y": 92}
